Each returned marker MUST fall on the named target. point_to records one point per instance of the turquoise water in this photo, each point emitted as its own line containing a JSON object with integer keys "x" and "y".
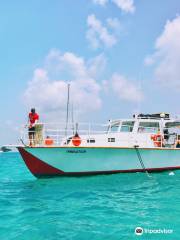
{"x": 99, "y": 207}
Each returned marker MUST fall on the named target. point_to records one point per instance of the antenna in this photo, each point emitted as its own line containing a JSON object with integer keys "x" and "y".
{"x": 67, "y": 109}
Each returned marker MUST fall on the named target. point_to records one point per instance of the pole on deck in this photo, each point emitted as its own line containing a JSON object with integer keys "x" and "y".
{"x": 67, "y": 109}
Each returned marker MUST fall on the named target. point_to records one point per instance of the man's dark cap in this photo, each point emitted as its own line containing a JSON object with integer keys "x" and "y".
{"x": 33, "y": 110}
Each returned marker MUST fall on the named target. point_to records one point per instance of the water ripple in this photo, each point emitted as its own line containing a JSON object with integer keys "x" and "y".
{"x": 99, "y": 207}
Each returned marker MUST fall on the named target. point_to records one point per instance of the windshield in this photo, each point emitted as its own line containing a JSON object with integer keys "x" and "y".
{"x": 148, "y": 127}
{"x": 127, "y": 126}
{"x": 115, "y": 128}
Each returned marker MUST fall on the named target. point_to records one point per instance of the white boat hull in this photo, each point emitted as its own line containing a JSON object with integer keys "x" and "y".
{"x": 63, "y": 161}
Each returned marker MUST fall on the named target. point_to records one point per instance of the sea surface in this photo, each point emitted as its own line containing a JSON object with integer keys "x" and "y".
{"x": 82, "y": 208}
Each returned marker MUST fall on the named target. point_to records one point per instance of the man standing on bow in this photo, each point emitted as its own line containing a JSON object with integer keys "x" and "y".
{"x": 32, "y": 120}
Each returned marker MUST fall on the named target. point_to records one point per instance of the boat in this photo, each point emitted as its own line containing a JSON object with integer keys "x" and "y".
{"x": 143, "y": 143}
{"x": 5, "y": 149}
{"x": 8, "y": 148}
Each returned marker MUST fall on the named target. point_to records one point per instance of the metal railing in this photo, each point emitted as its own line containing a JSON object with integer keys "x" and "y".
{"x": 58, "y": 133}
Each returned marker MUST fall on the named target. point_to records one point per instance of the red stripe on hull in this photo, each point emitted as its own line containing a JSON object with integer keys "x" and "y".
{"x": 41, "y": 169}
{"x": 36, "y": 166}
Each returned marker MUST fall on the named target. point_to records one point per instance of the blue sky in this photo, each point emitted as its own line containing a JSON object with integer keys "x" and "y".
{"x": 120, "y": 56}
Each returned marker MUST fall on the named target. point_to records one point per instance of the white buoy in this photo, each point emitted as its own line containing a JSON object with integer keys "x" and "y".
{"x": 171, "y": 174}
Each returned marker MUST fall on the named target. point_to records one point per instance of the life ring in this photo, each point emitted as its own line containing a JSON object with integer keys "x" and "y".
{"x": 157, "y": 139}
{"x": 76, "y": 141}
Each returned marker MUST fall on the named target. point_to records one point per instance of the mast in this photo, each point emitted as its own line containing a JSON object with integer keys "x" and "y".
{"x": 72, "y": 117}
{"x": 67, "y": 109}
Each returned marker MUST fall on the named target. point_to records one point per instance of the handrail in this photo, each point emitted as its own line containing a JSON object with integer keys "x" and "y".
{"x": 57, "y": 131}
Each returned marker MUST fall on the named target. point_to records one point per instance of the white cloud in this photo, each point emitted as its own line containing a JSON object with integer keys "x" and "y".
{"x": 98, "y": 34}
{"x": 96, "y": 65}
{"x": 114, "y": 23}
{"x": 125, "y": 89}
{"x": 100, "y": 2}
{"x": 43, "y": 93}
{"x": 149, "y": 60}
{"x": 167, "y": 55}
{"x": 125, "y": 5}
{"x": 48, "y": 91}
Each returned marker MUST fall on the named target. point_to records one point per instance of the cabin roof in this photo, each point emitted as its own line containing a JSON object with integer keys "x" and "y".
{"x": 158, "y": 117}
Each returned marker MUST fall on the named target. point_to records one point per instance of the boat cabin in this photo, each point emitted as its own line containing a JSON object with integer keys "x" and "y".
{"x": 143, "y": 130}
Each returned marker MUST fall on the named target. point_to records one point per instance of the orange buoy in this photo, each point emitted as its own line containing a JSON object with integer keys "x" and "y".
{"x": 76, "y": 140}
{"x": 49, "y": 141}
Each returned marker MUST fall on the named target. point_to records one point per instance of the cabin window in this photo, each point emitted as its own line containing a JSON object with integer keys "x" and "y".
{"x": 91, "y": 140}
{"x": 148, "y": 127}
{"x": 111, "y": 139}
{"x": 172, "y": 124}
{"x": 115, "y": 128}
{"x": 127, "y": 126}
